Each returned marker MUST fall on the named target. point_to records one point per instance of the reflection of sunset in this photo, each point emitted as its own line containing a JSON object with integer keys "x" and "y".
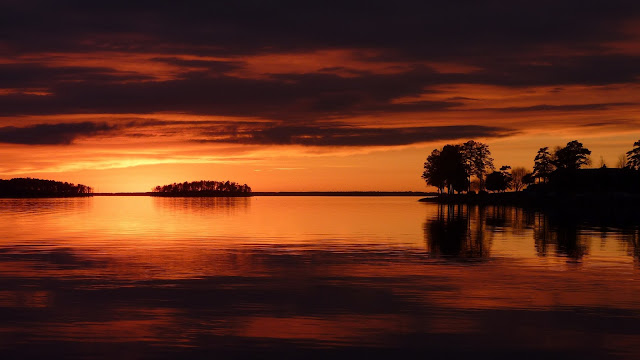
{"x": 321, "y": 271}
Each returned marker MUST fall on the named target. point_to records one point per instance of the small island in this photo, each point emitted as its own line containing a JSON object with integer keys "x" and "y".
{"x": 39, "y": 188}
{"x": 202, "y": 188}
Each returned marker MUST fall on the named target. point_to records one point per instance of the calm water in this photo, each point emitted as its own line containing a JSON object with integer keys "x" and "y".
{"x": 374, "y": 277}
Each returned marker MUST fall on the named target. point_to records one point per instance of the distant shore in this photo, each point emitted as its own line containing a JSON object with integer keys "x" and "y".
{"x": 43, "y": 196}
{"x": 258, "y": 193}
{"x": 282, "y": 193}
{"x": 342, "y": 193}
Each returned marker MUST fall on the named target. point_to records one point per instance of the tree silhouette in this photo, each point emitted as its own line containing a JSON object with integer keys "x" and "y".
{"x": 446, "y": 169}
{"x": 528, "y": 179}
{"x": 543, "y": 165}
{"x": 477, "y": 159}
{"x": 433, "y": 173}
{"x": 499, "y": 180}
{"x": 622, "y": 159}
{"x": 453, "y": 166}
{"x": 633, "y": 157}
{"x": 518, "y": 175}
{"x": 572, "y": 156}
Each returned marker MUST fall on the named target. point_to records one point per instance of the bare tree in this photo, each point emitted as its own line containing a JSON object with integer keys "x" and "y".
{"x": 517, "y": 178}
{"x": 622, "y": 161}
{"x": 603, "y": 164}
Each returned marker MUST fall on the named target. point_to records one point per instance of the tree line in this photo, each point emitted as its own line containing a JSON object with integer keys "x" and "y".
{"x": 29, "y": 187}
{"x": 453, "y": 167}
{"x": 203, "y": 186}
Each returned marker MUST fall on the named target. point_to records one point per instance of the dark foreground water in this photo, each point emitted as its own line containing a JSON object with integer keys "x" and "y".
{"x": 312, "y": 277}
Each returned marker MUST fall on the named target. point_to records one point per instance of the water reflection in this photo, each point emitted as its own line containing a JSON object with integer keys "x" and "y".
{"x": 47, "y": 257}
{"x": 457, "y": 232}
{"x": 466, "y": 232}
{"x": 632, "y": 241}
{"x": 11, "y": 208}
{"x": 203, "y": 205}
{"x": 563, "y": 236}
{"x": 313, "y": 277}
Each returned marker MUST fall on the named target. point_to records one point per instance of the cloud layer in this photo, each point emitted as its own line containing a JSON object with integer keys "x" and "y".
{"x": 248, "y": 133}
{"x": 51, "y": 134}
{"x": 232, "y": 77}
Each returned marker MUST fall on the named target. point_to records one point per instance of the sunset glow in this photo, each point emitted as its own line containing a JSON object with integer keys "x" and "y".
{"x": 281, "y": 100}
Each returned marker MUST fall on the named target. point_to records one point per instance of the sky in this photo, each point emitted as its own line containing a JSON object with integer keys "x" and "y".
{"x": 307, "y": 95}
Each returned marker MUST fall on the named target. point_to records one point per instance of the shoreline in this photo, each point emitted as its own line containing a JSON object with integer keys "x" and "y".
{"x": 257, "y": 193}
{"x": 543, "y": 200}
{"x": 280, "y": 193}
{"x": 55, "y": 196}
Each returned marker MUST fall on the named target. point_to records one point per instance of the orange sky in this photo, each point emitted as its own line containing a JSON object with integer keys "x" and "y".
{"x": 124, "y": 103}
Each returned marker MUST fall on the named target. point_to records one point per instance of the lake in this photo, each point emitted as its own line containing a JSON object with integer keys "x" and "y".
{"x": 312, "y": 277}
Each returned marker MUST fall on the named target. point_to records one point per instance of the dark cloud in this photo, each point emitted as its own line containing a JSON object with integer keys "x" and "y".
{"x": 336, "y": 135}
{"x": 507, "y": 43}
{"x": 51, "y": 134}
{"x": 250, "y": 133}
{"x": 618, "y": 123}
{"x": 301, "y": 97}
{"x": 554, "y": 70}
{"x": 40, "y": 75}
{"x": 211, "y": 66}
{"x": 568, "y": 107}
{"x": 294, "y": 97}
{"x": 420, "y": 29}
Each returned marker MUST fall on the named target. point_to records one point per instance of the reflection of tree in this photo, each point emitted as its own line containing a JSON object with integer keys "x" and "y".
{"x": 467, "y": 231}
{"x": 506, "y": 218}
{"x": 496, "y": 216}
{"x": 204, "y": 205}
{"x": 569, "y": 242}
{"x": 541, "y": 234}
{"x": 561, "y": 232}
{"x": 631, "y": 242}
{"x": 456, "y": 232}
